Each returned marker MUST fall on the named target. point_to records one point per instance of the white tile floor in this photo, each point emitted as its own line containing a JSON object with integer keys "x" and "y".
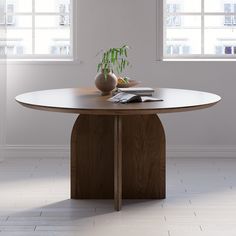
{"x": 201, "y": 200}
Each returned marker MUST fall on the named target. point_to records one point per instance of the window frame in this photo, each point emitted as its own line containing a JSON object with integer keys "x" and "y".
{"x": 161, "y": 36}
{"x": 38, "y": 58}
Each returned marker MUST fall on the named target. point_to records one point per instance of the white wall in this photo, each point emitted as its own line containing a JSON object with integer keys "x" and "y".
{"x": 2, "y": 108}
{"x": 107, "y": 23}
{"x": 3, "y": 75}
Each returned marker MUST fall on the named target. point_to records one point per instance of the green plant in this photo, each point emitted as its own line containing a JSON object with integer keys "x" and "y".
{"x": 114, "y": 60}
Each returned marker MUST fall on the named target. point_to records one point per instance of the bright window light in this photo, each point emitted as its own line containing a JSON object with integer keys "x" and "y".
{"x": 36, "y": 29}
{"x": 199, "y": 29}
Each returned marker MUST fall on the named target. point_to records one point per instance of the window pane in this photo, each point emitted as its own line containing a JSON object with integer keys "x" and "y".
{"x": 220, "y": 36}
{"x": 227, "y": 6}
{"x": 184, "y": 38}
{"x": 2, "y": 9}
{"x": 173, "y": 6}
{"x": 52, "y": 21}
{"x": 183, "y": 41}
{"x": 19, "y": 41}
{"x": 13, "y": 21}
{"x": 183, "y": 21}
{"x": 18, "y": 6}
{"x": 54, "y": 42}
{"x": 221, "y": 21}
{"x": 59, "y": 6}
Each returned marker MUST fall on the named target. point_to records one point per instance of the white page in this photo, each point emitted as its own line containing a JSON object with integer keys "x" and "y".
{"x": 150, "y": 99}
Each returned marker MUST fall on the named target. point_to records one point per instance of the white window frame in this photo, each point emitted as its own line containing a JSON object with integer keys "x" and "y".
{"x": 161, "y": 35}
{"x": 50, "y": 58}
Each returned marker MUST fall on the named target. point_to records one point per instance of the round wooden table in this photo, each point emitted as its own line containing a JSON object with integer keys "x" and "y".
{"x": 117, "y": 150}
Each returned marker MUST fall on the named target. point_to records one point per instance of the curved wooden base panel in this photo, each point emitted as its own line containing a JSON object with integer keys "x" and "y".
{"x": 92, "y": 158}
{"x": 143, "y": 157}
{"x": 118, "y": 157}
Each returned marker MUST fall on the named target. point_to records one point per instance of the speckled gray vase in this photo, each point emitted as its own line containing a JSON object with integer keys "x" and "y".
{"x": 106, "y": 85}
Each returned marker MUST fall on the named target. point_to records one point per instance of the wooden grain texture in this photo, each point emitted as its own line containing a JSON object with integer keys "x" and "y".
{"x": 89, "y": 101}
{"x": 144, "y": 150}
{"x": 118, "y": 162}
{"x": 92, "y": 152}
{"x": 118, "y": 157}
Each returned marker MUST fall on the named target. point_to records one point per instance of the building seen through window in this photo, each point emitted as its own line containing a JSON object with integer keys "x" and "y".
{"x": 36, "y": 28}
{"x": 193, "y": 29}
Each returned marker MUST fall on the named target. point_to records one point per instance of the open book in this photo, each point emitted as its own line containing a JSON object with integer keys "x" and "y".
{"x": 129, "y": 98}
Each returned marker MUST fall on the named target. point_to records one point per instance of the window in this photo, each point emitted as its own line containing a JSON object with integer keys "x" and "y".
{"x": 199, "y": 29}
{"x": 36, "y": 29}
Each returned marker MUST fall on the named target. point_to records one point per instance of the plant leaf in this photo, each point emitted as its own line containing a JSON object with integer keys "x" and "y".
{"x": 126, "y": 54}
{"x": 113, "y": 56}
{"x": 99, "y": 67}
{"x": 114, "y": 59}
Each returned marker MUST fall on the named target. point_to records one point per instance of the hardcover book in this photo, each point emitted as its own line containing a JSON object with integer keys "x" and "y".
{"x": 138, "y": 91}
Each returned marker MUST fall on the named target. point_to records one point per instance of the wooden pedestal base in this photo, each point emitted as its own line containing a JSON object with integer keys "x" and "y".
{"x": 118, "y": 157}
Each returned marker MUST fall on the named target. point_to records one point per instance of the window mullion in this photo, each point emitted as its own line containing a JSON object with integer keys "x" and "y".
{"x": 202, "y": 27}
{"x": 161, "y": 32}
{"x": 72, "y": 28}
{"x": 33, "y": 27}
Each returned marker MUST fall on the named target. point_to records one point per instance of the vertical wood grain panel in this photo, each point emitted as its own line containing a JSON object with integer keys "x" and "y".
{"x": 92, "y": 152}
{"x": 118, "y": 157}
{"x": 144, "y": 153}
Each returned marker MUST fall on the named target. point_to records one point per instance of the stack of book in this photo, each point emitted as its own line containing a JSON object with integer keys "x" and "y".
{"x": 141, "y": 91}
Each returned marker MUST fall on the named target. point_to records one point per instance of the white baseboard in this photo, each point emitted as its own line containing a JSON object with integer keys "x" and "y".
{"x": 37, "y": 151}
{"x": 191, "y": 151}
{"x": 177, "y": 151}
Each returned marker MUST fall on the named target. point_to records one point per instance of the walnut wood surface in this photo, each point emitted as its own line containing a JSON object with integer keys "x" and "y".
{"x": 89, "y": 101}
{"x": 118, "y": 157}
{"x": 92, "y": 163}
{"x": 143, "y": 157}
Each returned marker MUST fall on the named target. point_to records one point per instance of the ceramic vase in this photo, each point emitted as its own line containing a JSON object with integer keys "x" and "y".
{"x": 106, "y": 85}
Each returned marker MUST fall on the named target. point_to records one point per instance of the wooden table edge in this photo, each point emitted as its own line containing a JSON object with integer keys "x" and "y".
{"x": 118, "y": 111}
